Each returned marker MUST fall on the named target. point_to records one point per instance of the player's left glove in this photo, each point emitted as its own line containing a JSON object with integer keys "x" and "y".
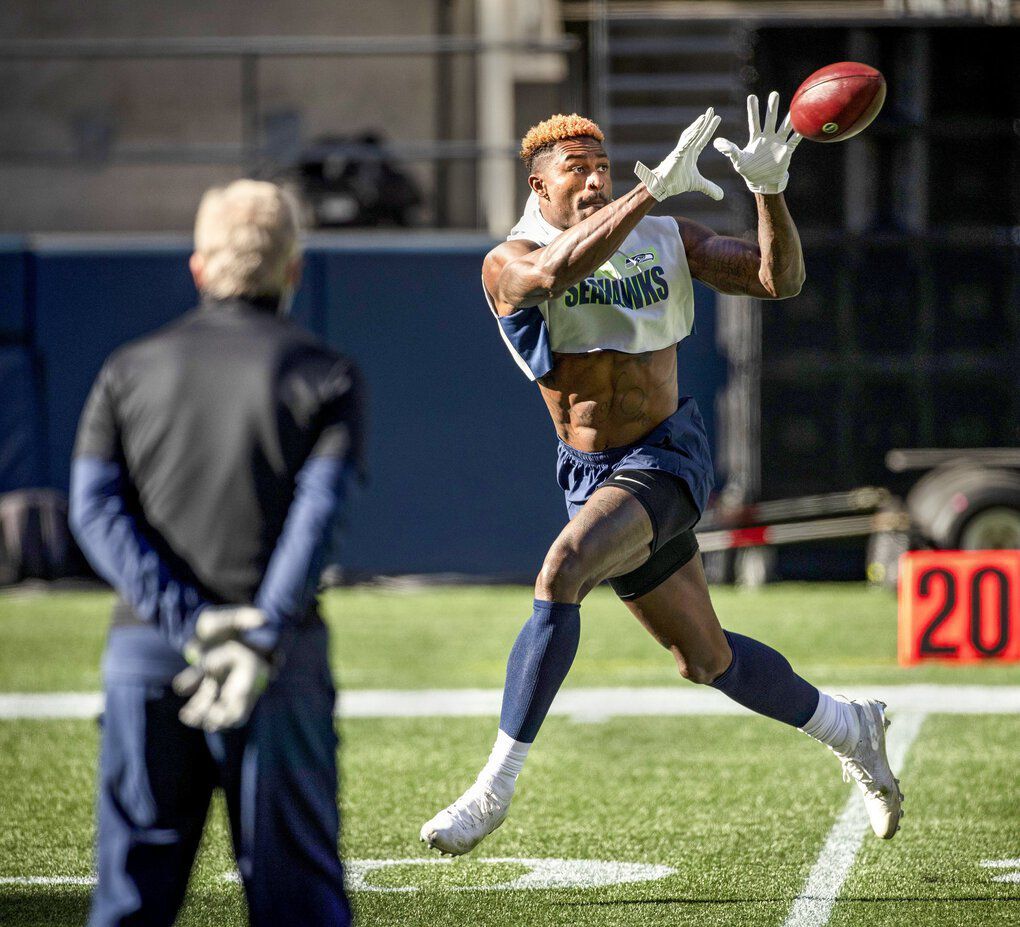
{"x": 764, "y": 163}
{"x": 227, "y": 676}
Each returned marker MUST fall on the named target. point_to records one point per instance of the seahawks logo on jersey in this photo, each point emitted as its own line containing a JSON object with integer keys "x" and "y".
{"x": 643, "y": 258}
{"x": 634, "y": 292}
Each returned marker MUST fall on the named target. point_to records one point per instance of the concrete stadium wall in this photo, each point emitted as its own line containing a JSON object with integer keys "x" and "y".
{"x": 461, "y": 451}
{"x": 75, "y": 109}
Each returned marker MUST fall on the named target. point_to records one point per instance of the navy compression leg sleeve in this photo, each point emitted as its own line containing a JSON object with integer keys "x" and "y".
{"x": 538, "y": 664}
{"x": 762, "y": 679}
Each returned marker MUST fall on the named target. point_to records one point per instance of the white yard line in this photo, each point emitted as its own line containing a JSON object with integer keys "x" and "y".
{"x": 581, "y": 704}
{"x": 909, "y": 705}
{"x": 541, "y": 874}
{"x": 14, "y": 705}
{"x": 47, "y": 880}
{"x": 813, "y": 906}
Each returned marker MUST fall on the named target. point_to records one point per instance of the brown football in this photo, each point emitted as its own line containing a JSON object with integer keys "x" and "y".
{"x": 837, "y": 101}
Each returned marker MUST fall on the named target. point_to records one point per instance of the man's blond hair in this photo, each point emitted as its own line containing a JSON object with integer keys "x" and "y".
{"x": 556, "y": 128}
{"x": 247, "y": 235}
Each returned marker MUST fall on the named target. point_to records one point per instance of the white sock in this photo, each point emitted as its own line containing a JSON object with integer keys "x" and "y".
{"x": 504, "y": 764}
{"x": 834, "y": 723}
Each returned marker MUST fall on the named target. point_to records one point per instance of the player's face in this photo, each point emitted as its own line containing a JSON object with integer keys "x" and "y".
{"x": 575, "y": 181}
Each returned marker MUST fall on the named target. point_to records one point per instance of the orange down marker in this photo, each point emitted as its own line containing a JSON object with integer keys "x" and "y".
{"x": 959, "y": 605}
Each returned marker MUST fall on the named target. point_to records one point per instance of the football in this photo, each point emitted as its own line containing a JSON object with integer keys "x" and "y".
{"x": 837, "y": 101}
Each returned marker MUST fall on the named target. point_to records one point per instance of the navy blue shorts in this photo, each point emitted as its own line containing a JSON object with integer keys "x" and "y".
{"x": 669, "y": 472}
{"x": 678, "y": 446}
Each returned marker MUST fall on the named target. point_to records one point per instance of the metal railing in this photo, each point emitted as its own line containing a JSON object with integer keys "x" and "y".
{"x": 251, "y": 150}
{"x": 249, "y": 53}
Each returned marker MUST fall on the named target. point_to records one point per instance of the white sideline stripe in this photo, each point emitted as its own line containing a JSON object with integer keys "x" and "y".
{"x": 582, "y": 704}
{"x": 16, "y": 705}
{"x": 813, "y": 906}
{"x": 47, "y": 880}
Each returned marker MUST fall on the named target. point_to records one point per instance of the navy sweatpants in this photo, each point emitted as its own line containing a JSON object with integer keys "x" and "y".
{"x": 156, "y": 777}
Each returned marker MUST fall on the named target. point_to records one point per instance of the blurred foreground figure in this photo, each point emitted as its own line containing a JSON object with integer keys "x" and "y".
{"x": 592, "y": 296}
{"x": 211, "y": 461}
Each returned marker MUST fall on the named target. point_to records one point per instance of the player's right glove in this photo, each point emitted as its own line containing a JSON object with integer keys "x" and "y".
{"x": 765, "y": 162}
{"x": 678, "y": 172}
{"x": 226, "y": 676}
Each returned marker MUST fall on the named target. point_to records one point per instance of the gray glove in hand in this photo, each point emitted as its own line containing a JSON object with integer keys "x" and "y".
{"x": 764, "y": 163}
{"x": 678, "y": 172}
{"x": 227, "y": 676}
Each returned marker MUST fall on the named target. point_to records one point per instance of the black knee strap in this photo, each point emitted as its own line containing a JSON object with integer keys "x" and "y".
{"x": 666, "y": 498}
{"x": 662, "y": 564}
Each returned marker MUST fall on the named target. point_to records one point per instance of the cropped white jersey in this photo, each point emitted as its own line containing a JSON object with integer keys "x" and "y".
{"x": 641, "y": 299}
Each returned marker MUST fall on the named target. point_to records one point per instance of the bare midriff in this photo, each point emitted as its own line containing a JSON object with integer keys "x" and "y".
{"x": 609, "y": 399}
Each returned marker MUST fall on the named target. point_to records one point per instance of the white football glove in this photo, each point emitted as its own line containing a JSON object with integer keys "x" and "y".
{"x": 764, "y": 163}
{"x": 678, "y": 172}
{"x": 227, "y": 676}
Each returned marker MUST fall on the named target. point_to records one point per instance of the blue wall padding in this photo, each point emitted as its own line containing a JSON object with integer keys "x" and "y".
{"x": 14, "y": 323}
{"x": 461, "y": 444}
{"x": 87, "y": 302}
{"x": 21, "y": 458}
{"x": 701, "y": 370}
{"x": 461, "y": 449}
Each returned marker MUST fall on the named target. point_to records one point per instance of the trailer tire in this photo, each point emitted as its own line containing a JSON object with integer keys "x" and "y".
{"x": 967, "y": 507}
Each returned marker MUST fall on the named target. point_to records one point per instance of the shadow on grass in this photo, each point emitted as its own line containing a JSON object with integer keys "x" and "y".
{"x": 43, "y": 908}
{"x": 63, "y": 906}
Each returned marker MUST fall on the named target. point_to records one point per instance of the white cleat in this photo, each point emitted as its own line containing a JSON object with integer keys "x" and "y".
{"x": 868, "y": 766}
{"x": 459, "y": 828}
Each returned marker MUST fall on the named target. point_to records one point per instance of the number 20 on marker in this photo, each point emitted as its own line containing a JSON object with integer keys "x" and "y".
{"x": 959, "y": 605}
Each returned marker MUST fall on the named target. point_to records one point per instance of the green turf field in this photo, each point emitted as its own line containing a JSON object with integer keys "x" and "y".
{"x": 738, "y": 809}
{"x": 460, "y": 637}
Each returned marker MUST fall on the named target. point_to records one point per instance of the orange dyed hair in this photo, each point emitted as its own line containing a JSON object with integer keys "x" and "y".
{"x": 554, "y": 129}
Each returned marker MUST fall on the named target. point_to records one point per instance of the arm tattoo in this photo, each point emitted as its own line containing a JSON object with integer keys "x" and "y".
{"x": 729, "y": 265}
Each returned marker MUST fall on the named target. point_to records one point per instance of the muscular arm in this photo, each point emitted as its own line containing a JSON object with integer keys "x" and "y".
{"x": 521, "y": 273}
{"x": 771, "y": 269}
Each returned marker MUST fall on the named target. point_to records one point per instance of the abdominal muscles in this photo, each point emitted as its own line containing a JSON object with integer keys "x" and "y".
{"x": 610, "y": 399}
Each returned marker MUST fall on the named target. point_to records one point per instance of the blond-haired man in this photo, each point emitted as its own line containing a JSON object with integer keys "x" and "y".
{"x": 212, "y": 457}
{"x": 592, "y": 295}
